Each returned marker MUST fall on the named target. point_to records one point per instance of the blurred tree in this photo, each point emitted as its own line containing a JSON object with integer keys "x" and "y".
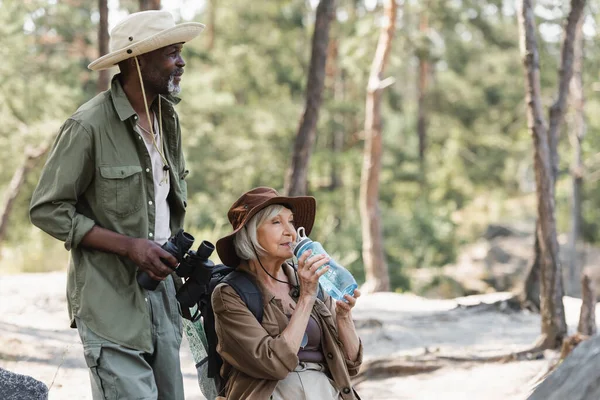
{"x": 376, "y": 269}
{"x": 41, "y": 46}
{"x": 576, "y": 135}
{"x": 545, "y": 143}
{"x": 212, "y": 20}
{"x": 149, "y": 5}
{"x": 423, "y": 55}
{"x": 103, "y": 38}
{"x": 16, "y": 183}
{"x": 296, "y": 180}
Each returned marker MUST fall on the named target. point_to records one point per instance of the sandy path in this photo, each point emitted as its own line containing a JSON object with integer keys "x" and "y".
{"x": 35, "y": 337}
{"x": 35, "y": 340}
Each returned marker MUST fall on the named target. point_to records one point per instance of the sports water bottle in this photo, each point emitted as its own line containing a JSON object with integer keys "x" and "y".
{"x": 337, "y": 281}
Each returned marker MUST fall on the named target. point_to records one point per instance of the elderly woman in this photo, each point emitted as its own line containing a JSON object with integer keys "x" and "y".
{"x": 304, "y": 348}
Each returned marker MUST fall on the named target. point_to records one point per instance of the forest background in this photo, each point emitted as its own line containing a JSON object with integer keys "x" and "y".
{"x": 457, "y": 154}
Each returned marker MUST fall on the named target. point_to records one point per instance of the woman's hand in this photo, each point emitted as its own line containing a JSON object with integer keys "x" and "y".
{"x": 309, "y": 273}
{"x": 308, "y": 278}
{"x": 342, "y": 309}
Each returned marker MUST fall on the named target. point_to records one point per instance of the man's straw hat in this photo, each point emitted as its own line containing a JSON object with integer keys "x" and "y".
{"x": 143, "y": 32}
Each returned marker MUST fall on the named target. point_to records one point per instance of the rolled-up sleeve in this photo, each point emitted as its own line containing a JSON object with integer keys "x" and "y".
{"x": 244, "y": 343}
{"x": 67, "y": 173}
{"x": 354, "y": 366}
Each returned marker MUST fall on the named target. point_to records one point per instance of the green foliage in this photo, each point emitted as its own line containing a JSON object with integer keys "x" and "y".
{"x": 243, "y": 100}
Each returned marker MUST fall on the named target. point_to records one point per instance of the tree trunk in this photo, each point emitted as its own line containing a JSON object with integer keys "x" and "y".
{"x": 376, "y": 269}
{"x": 16, "y": 183}
{"x": 565, "y": 73}
{"x": 335, "y": 77}
{"x": 338, "y": 136}
{"x": 296, "y": 179}
{"x": 422, "y": 91}
{"x": 545, "y": 141}
{"x": 212, "y": 16}
{"x": 577, "y": 135}
{"x": 556, "y": 116}
{"x": 103, "y": 77}
{"x": 587, "y": 316}
{"x": 149, "y": 5}
{"x": 530, "y": 293}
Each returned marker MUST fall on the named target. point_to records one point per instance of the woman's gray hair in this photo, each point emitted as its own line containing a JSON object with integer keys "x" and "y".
{"x": 245, "y": 240}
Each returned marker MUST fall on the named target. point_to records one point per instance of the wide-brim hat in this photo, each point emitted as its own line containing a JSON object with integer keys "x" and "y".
{"x": 250, "y": 203}
{"x": 143, "y": 32}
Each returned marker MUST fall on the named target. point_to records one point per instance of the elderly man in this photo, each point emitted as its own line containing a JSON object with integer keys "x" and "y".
{"x": 113, "y": 190}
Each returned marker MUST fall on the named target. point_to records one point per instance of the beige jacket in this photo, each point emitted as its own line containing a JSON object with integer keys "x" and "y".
{"x": 255, "y": 356}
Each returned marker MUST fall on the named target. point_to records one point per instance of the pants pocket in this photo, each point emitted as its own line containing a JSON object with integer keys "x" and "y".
{"x": 100, "y": 385}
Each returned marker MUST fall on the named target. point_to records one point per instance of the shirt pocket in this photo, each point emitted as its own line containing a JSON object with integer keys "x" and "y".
{"x": 121, "y": 189}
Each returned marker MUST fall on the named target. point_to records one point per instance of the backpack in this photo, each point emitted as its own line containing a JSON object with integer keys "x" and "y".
{"x": 248, "y": 290}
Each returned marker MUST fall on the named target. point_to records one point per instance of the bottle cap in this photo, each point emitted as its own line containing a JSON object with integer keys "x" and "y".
{"x": 300, "y": 245}
{"x": 301, "y": 240}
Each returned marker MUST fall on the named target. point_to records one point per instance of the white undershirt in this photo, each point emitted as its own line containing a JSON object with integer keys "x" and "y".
{"x": 162, "y": 231}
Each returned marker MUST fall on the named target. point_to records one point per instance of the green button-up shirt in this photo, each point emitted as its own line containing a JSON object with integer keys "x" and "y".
{"x": 99, "y": 172}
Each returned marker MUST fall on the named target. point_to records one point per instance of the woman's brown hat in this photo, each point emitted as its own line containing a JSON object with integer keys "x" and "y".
{"x": 251, "y": 202}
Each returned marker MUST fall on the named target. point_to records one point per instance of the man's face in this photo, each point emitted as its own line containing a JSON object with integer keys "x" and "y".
{"x": 162, "y": 69}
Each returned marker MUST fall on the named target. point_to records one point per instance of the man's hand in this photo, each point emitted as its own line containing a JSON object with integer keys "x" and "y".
{"x": 147, "y": 255}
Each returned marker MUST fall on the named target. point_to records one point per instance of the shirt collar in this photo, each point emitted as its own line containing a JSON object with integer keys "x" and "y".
{"x": 120, "y": 100}
{"x": 122, "y": 104}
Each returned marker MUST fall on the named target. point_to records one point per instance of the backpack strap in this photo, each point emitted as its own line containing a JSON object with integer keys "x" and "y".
{"x": 246, "y": 287}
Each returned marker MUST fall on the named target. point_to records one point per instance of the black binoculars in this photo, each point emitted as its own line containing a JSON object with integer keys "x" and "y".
{"x": 193, "y": 265}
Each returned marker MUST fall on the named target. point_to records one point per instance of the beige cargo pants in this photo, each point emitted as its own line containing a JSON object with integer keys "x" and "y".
{"x": 308, "y": 381}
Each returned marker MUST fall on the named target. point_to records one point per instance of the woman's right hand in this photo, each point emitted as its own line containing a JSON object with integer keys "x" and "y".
{"x": 308, "y": 277}
{"x": 309, "y": 273}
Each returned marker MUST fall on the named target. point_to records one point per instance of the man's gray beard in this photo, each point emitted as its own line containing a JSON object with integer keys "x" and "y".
{"x": 173, "y": 88}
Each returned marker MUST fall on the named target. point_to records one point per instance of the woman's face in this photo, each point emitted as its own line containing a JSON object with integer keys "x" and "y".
{"x": 277, "y": 235}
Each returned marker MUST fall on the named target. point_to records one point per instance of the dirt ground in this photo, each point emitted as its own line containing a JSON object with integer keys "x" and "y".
{"x": 35, "y": 339}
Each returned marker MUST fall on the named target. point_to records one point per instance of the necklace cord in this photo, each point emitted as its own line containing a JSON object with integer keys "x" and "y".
{"x": 150, "y": 122}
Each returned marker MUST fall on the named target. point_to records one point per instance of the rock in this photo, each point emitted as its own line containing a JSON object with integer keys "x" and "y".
{"x": 494, "y": 231}
{"x": 576, "y": 378}
{"x": 368, "y": 323}
{"x": 21, "y": 387}
{"x": 448, "y": 287}
{"x": 498, "y": 262}
{"x": 496, "y": 254}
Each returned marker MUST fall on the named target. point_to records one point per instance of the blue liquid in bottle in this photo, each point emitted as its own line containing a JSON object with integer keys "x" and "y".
{"x": 337, "y": 282}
